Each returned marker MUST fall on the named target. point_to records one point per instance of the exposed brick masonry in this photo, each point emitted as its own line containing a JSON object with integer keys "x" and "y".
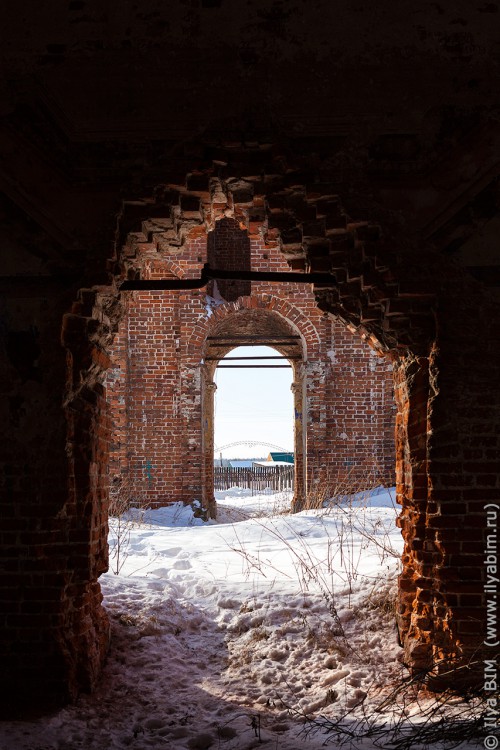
{"x": 425, "y": 314}
{"x": 156, "y": 382}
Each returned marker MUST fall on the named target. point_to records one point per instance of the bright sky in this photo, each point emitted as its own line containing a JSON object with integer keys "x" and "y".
{"x": 253, "y": 404}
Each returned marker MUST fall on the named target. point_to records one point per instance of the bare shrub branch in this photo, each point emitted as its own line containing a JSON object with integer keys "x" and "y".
{"x": 127, "y": 510}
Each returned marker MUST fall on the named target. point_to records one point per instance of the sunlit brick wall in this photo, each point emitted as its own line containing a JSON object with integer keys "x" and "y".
{"x": 155, "y": 385}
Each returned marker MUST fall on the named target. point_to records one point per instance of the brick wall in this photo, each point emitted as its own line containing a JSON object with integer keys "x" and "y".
{"x": 155, "y": 383}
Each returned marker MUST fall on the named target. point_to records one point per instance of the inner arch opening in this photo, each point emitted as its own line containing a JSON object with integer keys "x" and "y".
{"x": 253, "y": 406}
{"x": 242, "y": 334}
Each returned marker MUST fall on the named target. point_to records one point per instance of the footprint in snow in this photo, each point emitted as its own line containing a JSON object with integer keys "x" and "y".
{"x": 171, "y": 552}
{"x": 226, "y": 603}
{"x": 160, "y": 572}
{"x": 182, "y": 565}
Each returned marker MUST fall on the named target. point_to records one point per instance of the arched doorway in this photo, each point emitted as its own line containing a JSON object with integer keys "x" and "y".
{"x": 256, "y": 327}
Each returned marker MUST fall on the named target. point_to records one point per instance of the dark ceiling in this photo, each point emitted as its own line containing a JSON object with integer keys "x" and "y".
{"x": 399, "y": 101}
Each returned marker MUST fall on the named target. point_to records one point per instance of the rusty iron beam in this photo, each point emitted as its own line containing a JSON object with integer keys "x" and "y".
{"x": 211, "y": 274}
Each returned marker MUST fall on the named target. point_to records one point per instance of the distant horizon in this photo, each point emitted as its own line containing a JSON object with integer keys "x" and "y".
{"x": 241, "y": 458}
{"x": 245, "y": 458}
{"x": 228, "y": 453}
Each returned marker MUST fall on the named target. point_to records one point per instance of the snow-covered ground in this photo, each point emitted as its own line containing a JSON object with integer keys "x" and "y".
{"x": 249, "y": 631}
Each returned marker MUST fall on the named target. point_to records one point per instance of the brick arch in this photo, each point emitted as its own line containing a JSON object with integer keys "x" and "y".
{"x": 263, "y": 301}
{"x": 252, "y": 311}
{"x": 164, "y": 269}
{"x": 373, "y": 292}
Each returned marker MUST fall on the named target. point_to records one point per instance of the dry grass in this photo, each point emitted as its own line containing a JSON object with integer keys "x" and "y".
{"x": 127, "y": 510}
{"x": 331, "y": 491}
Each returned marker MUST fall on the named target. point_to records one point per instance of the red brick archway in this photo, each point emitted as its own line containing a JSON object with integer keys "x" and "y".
{"x": 258, "y": 317}
{"x": 392, "y": 306}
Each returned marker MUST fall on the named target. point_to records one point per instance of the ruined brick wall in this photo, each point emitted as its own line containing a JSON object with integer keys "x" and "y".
{"x": 156, "y": 381}
{"x": 447, "y": 475}
{"x": 52, "y": 486}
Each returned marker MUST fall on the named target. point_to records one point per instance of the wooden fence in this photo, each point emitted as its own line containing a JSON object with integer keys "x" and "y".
{"x": 257, "y": 478}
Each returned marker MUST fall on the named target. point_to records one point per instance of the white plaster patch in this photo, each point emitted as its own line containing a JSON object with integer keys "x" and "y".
{"x": 213, "y": 301}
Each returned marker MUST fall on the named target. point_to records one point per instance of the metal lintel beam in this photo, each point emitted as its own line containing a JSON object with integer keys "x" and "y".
{"x": 254, "y": 341}
{"x": 257, "y": 337}
{"x": 259, "y": 342}
{"x": 226, "y": 359}
{"x": 255, "y": 367}
{"x": 211, "y": 274}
